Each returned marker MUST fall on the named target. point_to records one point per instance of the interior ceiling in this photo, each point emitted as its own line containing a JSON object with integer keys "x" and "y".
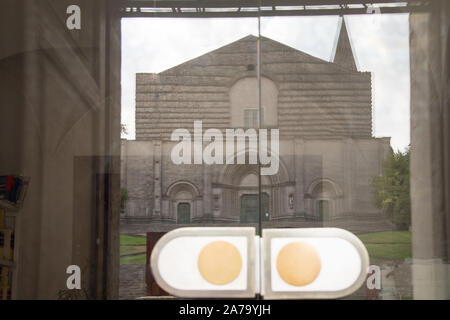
{"x": 255, "y": 8}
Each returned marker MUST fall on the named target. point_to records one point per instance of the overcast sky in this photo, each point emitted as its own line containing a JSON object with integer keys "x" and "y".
{"x": 380, "y": 43}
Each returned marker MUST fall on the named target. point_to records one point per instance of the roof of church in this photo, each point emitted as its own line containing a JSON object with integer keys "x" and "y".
{"x": 316, "y": 98}
{"x": 344, "y": 58}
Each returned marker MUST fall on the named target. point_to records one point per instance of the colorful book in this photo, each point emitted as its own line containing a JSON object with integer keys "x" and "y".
{"x": 5, "y": 293}
{"x": 6, "y": 186}
{"x": 5, "y": 283}
{"x": 16, "y": 189}
{"x": 2, "y": 243}
{"x": 4, "y": 276}
{"x": 10, "y": 188}
{"x": 7, "y": 244}
{"x": 2, "y": 218}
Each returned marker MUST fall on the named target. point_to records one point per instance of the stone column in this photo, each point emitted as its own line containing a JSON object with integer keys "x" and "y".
{"x": 349, "y": 174}
{"x": 157, "y": 158}
{"x": 429, "y": 273}
{"x": 299, "y": 167}
{"x": 207, "y": 191}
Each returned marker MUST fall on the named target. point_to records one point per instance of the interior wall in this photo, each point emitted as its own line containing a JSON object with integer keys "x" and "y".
{"x": 60, "y": 99}
{"x": 429, "y": 153}
{"x": 60, "y": 93}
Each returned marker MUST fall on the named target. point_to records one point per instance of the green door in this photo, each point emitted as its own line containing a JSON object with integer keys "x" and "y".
{"x": 323, "y": 208}
{"x": 184, "y": 213}
{"x": 249, "y": 207}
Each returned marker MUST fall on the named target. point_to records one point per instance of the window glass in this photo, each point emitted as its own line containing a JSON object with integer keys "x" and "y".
{"x": 177, "y": 114}
{"x": 182, "y": 88}
{"x": 344, "y": 122}
{"x": 337, "y": 92}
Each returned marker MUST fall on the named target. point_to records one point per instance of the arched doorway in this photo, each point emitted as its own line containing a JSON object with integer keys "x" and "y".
{"x": 241, "y": 188}
{"x": 324, "y": 194}
{"x": 183, "y": 198}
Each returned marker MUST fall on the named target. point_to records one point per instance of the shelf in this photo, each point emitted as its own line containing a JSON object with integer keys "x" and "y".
{"x": 7, "y": 205}
{"x": 10, "y": 213}
{"x": 15, "y": 207}
{"x": 12, "y": 221}
{"x": 7, "y": 263}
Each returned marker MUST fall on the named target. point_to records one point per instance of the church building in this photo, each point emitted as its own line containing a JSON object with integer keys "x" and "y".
{"x": 327, "y": 154}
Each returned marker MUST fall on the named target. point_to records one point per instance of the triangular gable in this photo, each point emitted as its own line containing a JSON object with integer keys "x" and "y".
{"x": 247, "y": 45}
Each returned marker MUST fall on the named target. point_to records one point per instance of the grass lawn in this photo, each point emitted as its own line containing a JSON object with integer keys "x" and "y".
{"x": 131, "y": 245}
{"x": 130, "y": 239}
{"x": 388, "y": 245}
{"x": 139, "y": 259}
{"x": 127, "y": 250}
{"x": 387, "y": 236}
{"x": 382, "y": 246}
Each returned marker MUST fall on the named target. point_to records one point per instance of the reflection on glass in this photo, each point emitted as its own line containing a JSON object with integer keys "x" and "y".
{"x": 200, "y": 85}
{"x": 337, "y": 92}
{"x": 340, "y": 119}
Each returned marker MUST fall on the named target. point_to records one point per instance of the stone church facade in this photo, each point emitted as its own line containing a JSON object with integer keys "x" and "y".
{"x": 323, "y": 111}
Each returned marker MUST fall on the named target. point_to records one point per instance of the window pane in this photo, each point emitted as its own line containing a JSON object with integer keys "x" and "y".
{"x": 197, "y": 76}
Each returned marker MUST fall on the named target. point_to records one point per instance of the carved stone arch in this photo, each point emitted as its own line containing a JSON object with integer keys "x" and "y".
{"x": 324, "y": 198}
{"x": 324, "y": 182}
{"x": 277, "y": 186}
{"x": 184, "y": 201}
{"x": 229, "y": 171}
{"x": 182, "y": 185}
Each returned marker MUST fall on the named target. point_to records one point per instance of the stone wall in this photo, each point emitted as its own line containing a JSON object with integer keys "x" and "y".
{"x": 348, "y": 165}
{"x": 316, "y": 98}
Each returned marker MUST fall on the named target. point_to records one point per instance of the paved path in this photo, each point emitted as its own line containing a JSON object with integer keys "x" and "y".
{"x": 132, "y": 281}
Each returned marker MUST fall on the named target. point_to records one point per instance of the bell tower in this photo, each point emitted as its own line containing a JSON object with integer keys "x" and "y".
{"x": 343, "y": 53}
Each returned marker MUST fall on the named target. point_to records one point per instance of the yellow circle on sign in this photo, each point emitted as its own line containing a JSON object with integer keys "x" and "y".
{"x": 298, "y": 263}
{"x": 219, "y": 262}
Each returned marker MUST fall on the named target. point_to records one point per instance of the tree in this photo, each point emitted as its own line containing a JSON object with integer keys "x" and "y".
{"x": 391, "y": 190}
